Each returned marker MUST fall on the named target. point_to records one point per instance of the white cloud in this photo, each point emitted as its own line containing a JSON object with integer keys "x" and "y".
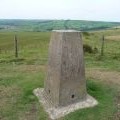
{"x": 106, "y": 10}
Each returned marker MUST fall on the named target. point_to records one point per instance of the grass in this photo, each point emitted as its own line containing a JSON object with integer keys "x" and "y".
{"x": 19, "y": 77}
{"x": 29, "y": 44}
{"x": 105, "y": 108}
{"x": 17, "y": 100}
{"x": 16, "y": 86}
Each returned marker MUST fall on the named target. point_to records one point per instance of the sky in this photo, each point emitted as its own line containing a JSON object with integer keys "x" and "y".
{"x": 96, "y": 10}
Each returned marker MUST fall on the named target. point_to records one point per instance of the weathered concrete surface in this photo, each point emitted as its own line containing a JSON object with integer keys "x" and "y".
{"x": 65, "y": 83}
{"x": 58, "y": 112}
{"x": 65, "y": 87}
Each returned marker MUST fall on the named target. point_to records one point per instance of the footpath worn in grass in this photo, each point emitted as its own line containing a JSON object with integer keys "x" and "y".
{"x": 19, "y": 77}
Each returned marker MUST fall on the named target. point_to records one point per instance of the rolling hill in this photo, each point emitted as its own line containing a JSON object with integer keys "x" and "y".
{"x": 48, "y": 25}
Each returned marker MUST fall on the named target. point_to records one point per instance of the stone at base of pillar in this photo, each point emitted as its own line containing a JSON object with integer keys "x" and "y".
{"x": 55, "y": 113}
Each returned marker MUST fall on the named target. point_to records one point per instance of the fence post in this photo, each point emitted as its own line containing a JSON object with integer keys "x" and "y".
{"x": 102, "y": 46}
{"x": 16, "y": 46}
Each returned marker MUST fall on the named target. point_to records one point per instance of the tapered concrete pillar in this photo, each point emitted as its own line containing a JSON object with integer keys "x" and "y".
{"x": 65, "y": 86}
{"x": 65, "y": 83}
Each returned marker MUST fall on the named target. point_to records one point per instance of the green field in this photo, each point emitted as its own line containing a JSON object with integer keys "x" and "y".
{"x": 20, "y": 76}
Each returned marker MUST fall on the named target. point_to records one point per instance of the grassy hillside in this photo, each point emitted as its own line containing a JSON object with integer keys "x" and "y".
{"x": 48, "y": 25}
{"x": 19, "y": 77}
{"x": 34, "y": 46}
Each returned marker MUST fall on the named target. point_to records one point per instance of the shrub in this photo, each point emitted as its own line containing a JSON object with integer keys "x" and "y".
{"x": 95, "y": 50}
{"x": 87, "y": 48}
{"x": 86, "y": 33}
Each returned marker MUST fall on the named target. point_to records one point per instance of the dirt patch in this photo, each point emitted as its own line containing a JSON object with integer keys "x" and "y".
{"x": 31, "y": 114}
{"x": 117, "y": 114}
{"x": 115, "y": 38}
{"x": 112, "y": 77}
{"x": 9, "y": 96}
{"x": 30, "y": 68}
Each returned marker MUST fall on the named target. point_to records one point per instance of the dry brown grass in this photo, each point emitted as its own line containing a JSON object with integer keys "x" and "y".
{"x": 8, "y": 98}
{"x": 114, "y": 37}
{"x": 111, "y": 77}
{"x": 31, "y": 114}
{"x": 30, "y": 68}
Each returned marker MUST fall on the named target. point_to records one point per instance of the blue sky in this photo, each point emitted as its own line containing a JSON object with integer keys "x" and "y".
{"x": 97, "y": 10}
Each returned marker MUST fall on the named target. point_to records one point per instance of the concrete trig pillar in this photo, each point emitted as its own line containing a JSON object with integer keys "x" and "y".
{"x": 65, "y": 86}
{"x": 65, "y": 83}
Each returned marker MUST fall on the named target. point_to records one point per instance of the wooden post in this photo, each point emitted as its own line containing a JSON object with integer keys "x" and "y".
{"x": 16, "y": 46}
{"x": 102, "y": 46}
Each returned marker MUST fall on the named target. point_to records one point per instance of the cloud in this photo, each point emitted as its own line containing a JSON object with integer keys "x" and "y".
{"x": 107, "y": 10}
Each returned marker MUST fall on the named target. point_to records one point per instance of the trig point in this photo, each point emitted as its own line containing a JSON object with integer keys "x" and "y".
{"x": 65, "y": 86}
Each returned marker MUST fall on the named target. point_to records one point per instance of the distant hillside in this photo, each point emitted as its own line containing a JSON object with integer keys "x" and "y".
{"x": 48, "y": 25}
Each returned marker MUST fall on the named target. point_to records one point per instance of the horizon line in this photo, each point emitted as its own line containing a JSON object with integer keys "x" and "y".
{"x": 57, "y": 19}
